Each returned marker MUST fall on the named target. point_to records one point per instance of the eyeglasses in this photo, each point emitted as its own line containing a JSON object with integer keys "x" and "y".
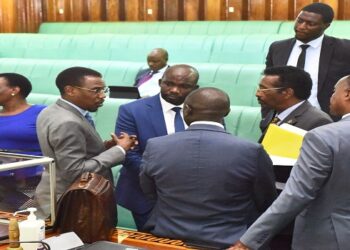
{"x": 96, "y": 91}
{"x": 267, "y": 89}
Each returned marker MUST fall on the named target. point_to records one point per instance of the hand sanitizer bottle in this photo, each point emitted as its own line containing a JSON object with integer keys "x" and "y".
{"x": 31, "y": 230}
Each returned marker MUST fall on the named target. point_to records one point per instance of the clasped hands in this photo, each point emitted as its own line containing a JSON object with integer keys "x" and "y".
{"x": 124, "y": 140}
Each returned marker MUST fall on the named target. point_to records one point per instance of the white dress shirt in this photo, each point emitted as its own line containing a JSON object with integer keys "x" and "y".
{"x": 287, "y": 112}
{"x": 312, "y": 61}
{"x": 169, "y": 115}
{"x": 151, "y": 87}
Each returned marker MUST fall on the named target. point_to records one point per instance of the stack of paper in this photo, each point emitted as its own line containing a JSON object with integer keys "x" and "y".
{"x": 283, "y": 143}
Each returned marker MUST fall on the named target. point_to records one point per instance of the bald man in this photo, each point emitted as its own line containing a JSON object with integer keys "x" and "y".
{"x": 205, "y": 183}
{"x": 147, "y": 79}
{"x": 317, "y": 189}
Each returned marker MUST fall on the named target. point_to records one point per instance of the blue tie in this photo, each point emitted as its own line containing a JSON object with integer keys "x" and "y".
{"x": 178, "y": 122}
{"x": 89, "y": 119}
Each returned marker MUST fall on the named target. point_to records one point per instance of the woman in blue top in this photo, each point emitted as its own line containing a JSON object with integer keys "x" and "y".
{"x": 18, "y": 127}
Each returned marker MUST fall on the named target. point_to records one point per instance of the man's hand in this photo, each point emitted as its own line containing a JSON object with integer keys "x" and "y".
{"x": 239, "y": 246}
{"x": 109, "y": 143}
{"x": 125, "y": 141}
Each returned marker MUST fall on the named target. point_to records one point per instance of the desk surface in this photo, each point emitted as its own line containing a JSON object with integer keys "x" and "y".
{"x": 134, "y": 238}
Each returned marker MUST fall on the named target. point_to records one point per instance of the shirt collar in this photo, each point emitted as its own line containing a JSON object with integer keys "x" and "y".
{"x": 289, "y": 110}
{"x": 166, "y": 106}
{"x": 346, "y": 115}
{"x": 81, "y": 111}
{"x": 316, "y": 43}
{"x": 208, "y": 123}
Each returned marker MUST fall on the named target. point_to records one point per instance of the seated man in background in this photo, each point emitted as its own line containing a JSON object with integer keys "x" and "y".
{"x": 67, "y": 134}
{"x": 285, "y": 90}
{"x": 317, "y": 191}
{"x": 206, "y": 184}
{"x": 147, "y": 118}
{"x": 147, "y": 80}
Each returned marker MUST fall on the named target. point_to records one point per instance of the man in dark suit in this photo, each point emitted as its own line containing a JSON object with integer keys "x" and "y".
{"x": 147, "y": 118}
{"x": 206, "y": 183}
{"x": 285, "y": 90}
{"x": 317, "y": 191}
{"x": 147, "y": 79}
{"x": 326, "y": 58}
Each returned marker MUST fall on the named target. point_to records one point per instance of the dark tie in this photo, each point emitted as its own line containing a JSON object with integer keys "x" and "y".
{"x": 145, "y": 78}
{"x": 301, "y": 59}
{"x": 89, "y": 119}
{"x": 178, "y": 122}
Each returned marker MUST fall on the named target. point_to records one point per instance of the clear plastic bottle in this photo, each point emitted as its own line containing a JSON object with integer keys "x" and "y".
{"x": 31, "y": 229}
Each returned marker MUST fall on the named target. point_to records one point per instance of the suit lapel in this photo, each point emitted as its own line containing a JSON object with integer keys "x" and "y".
{"x": 74, "y": 111}
{"x": 292, "y": 118}
{"x": 156, "y": 116}
{"x": 325, "y": 58}
{"x": 285, "y": 52}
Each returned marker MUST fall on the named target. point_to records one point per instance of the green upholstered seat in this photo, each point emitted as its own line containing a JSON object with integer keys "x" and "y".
{"x": 244, "y": 122}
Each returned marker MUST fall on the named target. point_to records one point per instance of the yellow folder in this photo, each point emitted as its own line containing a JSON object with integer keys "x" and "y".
{"x": 283, "y": 141}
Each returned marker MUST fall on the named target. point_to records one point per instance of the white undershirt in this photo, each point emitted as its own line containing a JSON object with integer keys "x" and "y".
{"x": 151, "y": 87}
{"x": 312, "y": 61}
{"x": 169, "y": 115}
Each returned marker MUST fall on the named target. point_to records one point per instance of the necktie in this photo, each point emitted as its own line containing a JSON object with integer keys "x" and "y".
{"x": 301, "y": 59}
{"x": 145, "y": 78}
{"x": 178, "y": 122}
{"x": 275, "y": 120}
{"x": 89, "y": 119}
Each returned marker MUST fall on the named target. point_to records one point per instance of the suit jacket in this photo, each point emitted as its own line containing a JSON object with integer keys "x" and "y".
{"x": 66, "y": 136}
{"x": 206, "y": 184}
{"x": 141, "y": 74}
{"x": 334, "y": 63}
{"x": 306, "y": 117}
{"x": 317, "y": 192}
{"x": 143, "y": 118}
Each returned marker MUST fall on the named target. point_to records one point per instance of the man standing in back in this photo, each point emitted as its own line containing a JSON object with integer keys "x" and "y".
{"x": 326, "y": 58}
{"x": 207, "y": 185}
{"x": 147, "y": 118}
{"x": 147, "y": 80}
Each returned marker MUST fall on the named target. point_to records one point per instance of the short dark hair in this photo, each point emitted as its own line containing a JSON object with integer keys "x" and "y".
{"x": 294, "y": 78}
{"x": 73, "y": 76}
{"x": 18, "y": 80}
{"x": 322, "y": 9}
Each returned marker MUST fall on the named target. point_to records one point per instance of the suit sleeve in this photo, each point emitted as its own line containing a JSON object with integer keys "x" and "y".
{"x": 268, "y": 61}
{"x": 307, "y": 178}
{"x": 126, "y": 123}
{"x": 146, "y": 181}
{"x": 70, "y": 149}
{"x": 264, "y": 185}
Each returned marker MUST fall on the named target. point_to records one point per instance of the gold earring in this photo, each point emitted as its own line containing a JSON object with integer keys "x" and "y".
{"x": 12, "y": 94}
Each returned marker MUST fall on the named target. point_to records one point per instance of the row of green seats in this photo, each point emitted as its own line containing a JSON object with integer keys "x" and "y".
{"x": 182, "y": 48}
{"x": 337, "y": 28}
{"x": 238, "y": 80}
{"x": 163, "y": 28}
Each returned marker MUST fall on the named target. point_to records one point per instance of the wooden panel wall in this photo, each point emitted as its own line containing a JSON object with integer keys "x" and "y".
{"x": 26, "y": 15}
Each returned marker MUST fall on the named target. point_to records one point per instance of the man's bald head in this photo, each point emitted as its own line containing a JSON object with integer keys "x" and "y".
{"x": 206, "y": 104}
{"x": 157, "y": 59}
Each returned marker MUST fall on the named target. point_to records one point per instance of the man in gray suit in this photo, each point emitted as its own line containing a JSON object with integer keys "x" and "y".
{"x": 317, "y": 191}
{"x": 285, "y": 90}
{"x": 66, "y": 133}
{"x": 207, "y": 185}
